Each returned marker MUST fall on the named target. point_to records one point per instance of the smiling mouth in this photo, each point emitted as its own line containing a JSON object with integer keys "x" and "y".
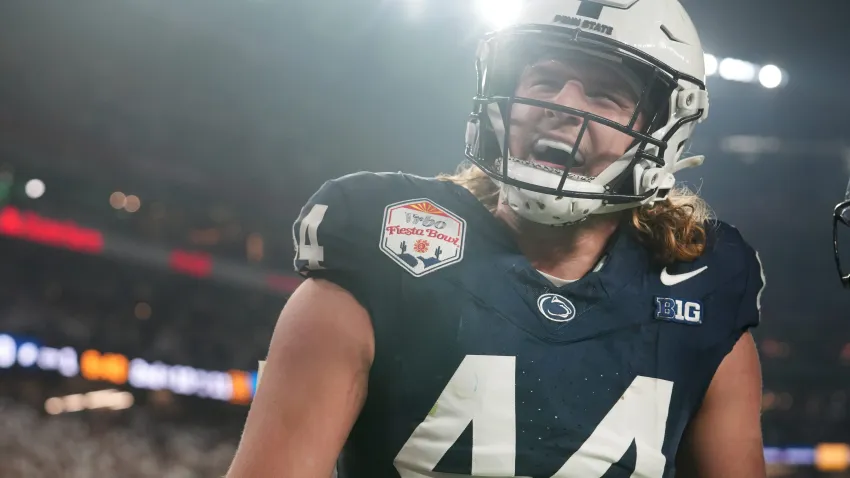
{"x": 558, "y": 155}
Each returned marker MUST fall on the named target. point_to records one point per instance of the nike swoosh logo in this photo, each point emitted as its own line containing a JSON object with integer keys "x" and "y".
{"x": 673, "y": 279}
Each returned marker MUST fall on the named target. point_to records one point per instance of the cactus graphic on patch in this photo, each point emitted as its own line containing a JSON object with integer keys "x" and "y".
{"x": 421, "y": 236}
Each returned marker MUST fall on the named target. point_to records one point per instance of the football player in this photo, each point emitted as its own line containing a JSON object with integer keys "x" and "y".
{"x": 557, "y": 308}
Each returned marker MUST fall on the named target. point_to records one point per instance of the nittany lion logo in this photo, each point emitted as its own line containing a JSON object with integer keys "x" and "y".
{"x": 556, "y": 308}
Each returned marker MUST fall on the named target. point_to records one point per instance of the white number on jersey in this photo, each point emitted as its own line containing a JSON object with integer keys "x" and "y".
{"x": 480, "y": 391}
{"x": 483, "y": 391}
{"x": 313, "y": 253}
{"x": 640, "y": 415}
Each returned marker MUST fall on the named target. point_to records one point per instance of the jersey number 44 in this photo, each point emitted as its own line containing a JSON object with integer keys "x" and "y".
{"x": 482, "y": 391}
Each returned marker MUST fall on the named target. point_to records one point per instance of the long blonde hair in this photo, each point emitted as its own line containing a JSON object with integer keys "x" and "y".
{"x": 672, "y": 229}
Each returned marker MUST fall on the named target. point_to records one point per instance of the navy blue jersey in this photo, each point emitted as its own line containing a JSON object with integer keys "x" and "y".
{"x": 484, "y": 368}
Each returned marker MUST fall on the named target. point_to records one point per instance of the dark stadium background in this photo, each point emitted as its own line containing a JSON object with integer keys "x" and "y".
{"x": 214, "y": 120}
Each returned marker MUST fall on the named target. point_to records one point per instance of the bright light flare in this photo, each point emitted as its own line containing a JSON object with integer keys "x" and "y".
{"x": 737, "y": 70}
{"x": 770, "y": 76}
{"x": 499, "y": 13}
{"x": 710, "y": 64}
{"x": 34, "y": 188}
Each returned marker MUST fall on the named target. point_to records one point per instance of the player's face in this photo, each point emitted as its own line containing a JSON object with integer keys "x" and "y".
{"x": 584, "y": 84}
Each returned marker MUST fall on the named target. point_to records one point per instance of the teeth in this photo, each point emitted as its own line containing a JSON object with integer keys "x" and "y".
{"x": 534, "y": 164}
{"x": 541, "y": 145}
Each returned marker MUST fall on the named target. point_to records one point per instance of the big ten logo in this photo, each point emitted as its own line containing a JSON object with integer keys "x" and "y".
{"x": 106, "y": 367}
{"x": 424, "y": 221}
{"x": 677, "y": 310}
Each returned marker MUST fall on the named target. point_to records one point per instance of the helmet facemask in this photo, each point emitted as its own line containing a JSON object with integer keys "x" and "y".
{"x": 557, "y": 195}
{"x": 841, "y": 228}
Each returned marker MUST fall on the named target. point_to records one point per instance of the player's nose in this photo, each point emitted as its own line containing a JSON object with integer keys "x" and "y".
{"x": 572, "y": 95}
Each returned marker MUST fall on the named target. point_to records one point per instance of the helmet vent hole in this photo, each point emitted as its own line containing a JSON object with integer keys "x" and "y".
{"x": 681, "y": 146}
{"x": 671, "y": 36}
{"x": 527, "y": 206}
{"x": 541, "y": 205}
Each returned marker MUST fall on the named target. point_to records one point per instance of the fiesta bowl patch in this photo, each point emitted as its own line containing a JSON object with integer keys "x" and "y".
{"x": 421, "y": 236}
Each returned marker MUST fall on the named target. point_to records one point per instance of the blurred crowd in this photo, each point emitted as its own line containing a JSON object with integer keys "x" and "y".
{"x": 87, "y": 445}
{"x": 65, "y": 299}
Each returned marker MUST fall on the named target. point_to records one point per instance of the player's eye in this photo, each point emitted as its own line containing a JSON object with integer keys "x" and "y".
{"x": 546, "y": 81}
{"x": 604, "y": 95}
{"x": 550, "y": 84}
{"x": 610, "y": 97}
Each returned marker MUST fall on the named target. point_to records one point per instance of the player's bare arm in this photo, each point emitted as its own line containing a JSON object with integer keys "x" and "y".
{"x": 313, "y": 386}
{"x": 724, "y": 439}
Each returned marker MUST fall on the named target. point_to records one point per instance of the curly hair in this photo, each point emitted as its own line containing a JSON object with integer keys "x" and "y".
{"x": 672, "y": 229}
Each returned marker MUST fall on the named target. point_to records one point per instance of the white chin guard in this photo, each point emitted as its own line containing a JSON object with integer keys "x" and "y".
{"x": 545, "y": 208}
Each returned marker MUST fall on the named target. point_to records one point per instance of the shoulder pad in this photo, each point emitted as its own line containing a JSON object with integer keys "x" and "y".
{"x": 340, "y": 226}
{"x": 332, "y": 231}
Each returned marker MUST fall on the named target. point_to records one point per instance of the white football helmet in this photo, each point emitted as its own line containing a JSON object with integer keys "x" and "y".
{"x": 653, "y": 38}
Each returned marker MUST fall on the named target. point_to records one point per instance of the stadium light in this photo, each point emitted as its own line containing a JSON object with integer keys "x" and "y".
{"x": 499, "y": 13}
{"x": 8, "y": 351}
{"x": 770, "y": 76}
{"x": 34, "y": 188}
{"x": 118, "y": 200}
{"x": 710, "y": 64}
{"x": 112, "y": 399}
{"x": 235, "y": 386}
{"x": 27, "y": 354}
{"x": 132, "y": 204}
{"x": 733, "y": 69}
{"x": 737, "y": 70}
{"x": 54, "y": 406}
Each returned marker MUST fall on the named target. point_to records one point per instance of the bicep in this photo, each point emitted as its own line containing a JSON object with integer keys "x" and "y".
{"x": 313, "y": 386}
{"x": 724, "y": 438}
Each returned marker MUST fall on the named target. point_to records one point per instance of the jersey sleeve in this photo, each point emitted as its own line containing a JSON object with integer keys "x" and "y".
{"x": 318, "y": 233}
{"x": 738, "y": 280}
{"x": 336, "y": 238}
{"x": 749, "y": 312}
{"x": 742, "y": 279}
